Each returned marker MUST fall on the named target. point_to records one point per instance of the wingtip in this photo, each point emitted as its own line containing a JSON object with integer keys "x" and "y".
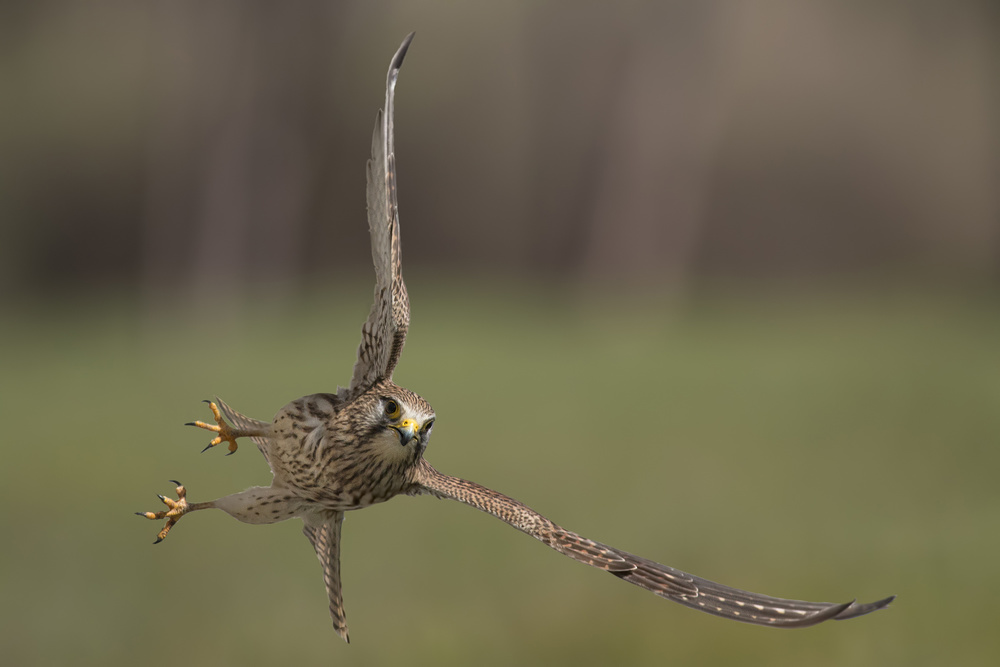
{"x": 397, "y": 60}
{"x": 853, "y": 610}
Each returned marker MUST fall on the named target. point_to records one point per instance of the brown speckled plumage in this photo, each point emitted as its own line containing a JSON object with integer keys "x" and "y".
{"x": 331, "y": 453}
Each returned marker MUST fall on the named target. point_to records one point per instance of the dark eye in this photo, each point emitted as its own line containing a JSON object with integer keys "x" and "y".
{"x": 392, "y": 410}
{"x": 428, "y": 425}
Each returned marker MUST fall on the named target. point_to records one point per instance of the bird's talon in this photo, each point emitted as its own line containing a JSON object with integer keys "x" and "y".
{"x": 175, "y": 510}
{"x": 225, "y": 431}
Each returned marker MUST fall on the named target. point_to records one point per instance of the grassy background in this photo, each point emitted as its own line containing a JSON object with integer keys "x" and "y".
{"x": 826, "y": 444}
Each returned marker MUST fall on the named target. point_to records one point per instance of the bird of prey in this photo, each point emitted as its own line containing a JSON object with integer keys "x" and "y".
{"x": 331, "y": 453}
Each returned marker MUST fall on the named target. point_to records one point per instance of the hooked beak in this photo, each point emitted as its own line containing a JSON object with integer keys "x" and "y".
{"x": 407, "y": 430}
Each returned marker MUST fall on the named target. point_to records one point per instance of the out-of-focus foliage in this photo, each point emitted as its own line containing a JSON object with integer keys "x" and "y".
{"x": 190, "y": 144}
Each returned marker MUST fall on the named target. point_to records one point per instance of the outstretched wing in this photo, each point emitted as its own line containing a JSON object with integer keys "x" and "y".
{"x": 383, "y": 333}
{"x": 663, "y": 580}
{"x": 324, "y": 534}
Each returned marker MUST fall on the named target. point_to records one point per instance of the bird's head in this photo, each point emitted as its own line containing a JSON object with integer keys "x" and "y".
{"x": 401, "y": 422}
{"x": 410, "y": 422}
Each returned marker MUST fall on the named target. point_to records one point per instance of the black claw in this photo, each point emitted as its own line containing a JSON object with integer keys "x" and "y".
{"x": 158, "y": 540}
{"x": 175, "y": 482}
{"x": 230, "y": 453}
{"x": 207, "y": 401}
{"x": 207, "y": 448}
{"x": 190, "y": 424}
{"x": 140, "y": 514}
{"x": 161, "y": 496}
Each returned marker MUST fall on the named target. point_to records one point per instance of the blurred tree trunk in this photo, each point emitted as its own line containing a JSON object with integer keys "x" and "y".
{"x": 229, "y": 165}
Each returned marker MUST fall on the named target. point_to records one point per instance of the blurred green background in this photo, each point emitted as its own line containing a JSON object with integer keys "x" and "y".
{"x": 716, "y": 283}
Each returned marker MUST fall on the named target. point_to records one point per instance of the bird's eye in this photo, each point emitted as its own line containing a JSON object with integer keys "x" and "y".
{"x": 428, "y": 425}
{"x": 392, "y": 410}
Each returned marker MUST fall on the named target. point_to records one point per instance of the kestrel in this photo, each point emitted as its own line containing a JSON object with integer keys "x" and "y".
{"x": 331, "y": 453}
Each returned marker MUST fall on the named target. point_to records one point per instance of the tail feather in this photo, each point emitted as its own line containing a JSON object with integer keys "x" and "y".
{"x": 324, "y": 534}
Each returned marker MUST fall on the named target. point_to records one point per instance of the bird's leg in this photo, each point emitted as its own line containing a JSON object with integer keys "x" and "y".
{"x": 257, "y": 504}
{"x": 226, "y": 432}
{"x": 175, "y": 510}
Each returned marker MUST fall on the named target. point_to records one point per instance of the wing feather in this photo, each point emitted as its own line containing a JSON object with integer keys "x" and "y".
{"x": 384, "y": 332}
{"x": 663, "y": 580}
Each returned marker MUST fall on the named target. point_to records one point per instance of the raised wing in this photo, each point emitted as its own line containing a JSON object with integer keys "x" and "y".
{"x": 324, "y": 534}
{"x": 383, "y": 333}
{"x": 665, "y": 581}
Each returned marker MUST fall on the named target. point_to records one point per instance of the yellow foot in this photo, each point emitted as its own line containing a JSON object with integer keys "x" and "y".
{"x": 175, "y": 510}
{"x": 225, "y": 431}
